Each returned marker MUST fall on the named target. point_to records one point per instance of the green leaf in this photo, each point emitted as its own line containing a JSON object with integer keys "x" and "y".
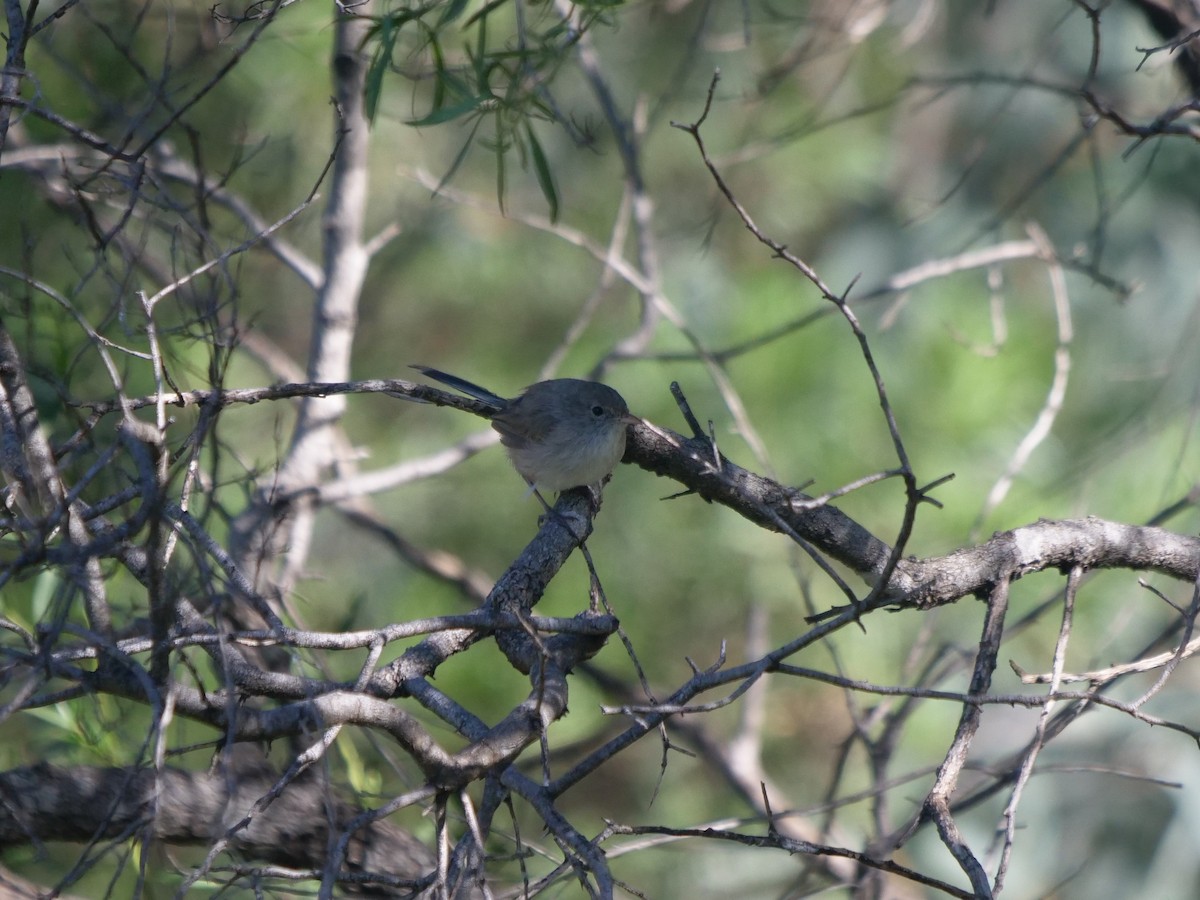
{"x": 449, "y": 113}
{"x": 442, "y": 77}
{"x": 381, "y": 61}
{"x": 501, "y": 184}
{"x": 462, "y": 154}
{"x": 487, "y": 10}
{"x": 453, "y": 10}
{"x": 541, "y": 168}
{"x": 481, "y": 55}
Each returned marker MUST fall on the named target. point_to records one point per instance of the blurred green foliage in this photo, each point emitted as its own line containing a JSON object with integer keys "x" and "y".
{"x": 867, "y": 156}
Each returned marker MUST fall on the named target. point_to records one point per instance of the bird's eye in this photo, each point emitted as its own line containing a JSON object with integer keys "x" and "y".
{"x": 597, "y": 410}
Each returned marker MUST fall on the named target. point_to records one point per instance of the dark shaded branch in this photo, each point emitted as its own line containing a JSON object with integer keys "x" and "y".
{"x": 52, "y": 803}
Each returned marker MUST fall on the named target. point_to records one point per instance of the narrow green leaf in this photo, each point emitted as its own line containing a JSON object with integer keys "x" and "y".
{"x": 381, "y": 61}
{"x": 480, "y": 58}
{"x": 541, "y": 168}
{"x": 500, "y": 174}
{"x": 448, "y": 113}
{"x": 461, "y": 155}
{"x": 453, "y": 10}
{"x": 441, "y": 77}
{"x": 483, "y": 13}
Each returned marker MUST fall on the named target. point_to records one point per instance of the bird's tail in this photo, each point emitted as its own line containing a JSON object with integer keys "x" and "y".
{"x": 461, "y": 384}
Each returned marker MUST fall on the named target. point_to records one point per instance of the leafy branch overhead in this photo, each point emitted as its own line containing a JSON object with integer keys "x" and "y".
{"x": 468, "y": 76}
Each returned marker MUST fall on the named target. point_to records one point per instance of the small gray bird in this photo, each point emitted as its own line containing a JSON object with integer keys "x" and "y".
{"x": 559, "y": 434}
